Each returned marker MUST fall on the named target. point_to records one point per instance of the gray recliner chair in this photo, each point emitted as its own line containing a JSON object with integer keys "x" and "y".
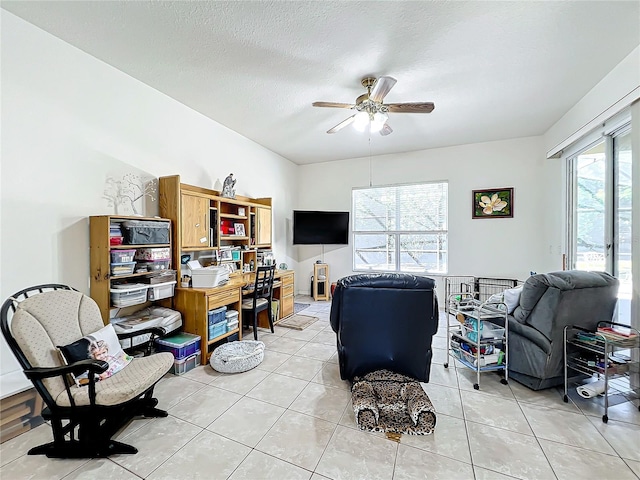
{"x": 548, "y": 303}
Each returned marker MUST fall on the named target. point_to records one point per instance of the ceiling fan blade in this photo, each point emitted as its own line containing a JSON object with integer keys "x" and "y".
{"x": 332, "y": 105}
{"x": 381, "y": 88}
{"x": 342, "y": 124}
{"x": 386, "y": 130}
{"x": 418, "y": 107}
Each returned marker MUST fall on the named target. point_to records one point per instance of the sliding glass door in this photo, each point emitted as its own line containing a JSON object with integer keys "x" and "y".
{"x": 622, "y": 222}
{"x": 600, "y": 212}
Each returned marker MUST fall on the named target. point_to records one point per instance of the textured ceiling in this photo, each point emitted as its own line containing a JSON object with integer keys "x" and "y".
{"x": 494, "y": 70}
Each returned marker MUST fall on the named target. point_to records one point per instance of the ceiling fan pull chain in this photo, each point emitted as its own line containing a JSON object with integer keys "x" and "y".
{"x": 370, "y": 184}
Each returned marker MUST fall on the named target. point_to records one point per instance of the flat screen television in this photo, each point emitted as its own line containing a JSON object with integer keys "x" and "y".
{"x": 320, "y": 228}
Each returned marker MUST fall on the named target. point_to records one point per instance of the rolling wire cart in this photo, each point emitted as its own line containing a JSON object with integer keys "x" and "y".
{"x": 606, "y": 354}
{"x": 479, "y": 337}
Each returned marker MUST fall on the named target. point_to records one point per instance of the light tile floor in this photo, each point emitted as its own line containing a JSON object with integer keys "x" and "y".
{"x": 291, "y": 418}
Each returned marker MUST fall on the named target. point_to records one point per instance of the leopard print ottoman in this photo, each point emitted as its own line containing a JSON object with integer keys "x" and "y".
{"x": 384, "y": 401}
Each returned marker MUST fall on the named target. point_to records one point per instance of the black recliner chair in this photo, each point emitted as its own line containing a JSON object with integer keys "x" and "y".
{"x": 385, "y": 321}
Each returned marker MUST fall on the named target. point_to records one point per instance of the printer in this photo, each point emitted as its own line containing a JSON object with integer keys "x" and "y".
{"x": 207, "y": 277}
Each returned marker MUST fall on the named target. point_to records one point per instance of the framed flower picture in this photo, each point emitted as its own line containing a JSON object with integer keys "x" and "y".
{"x": 494, "y": 203}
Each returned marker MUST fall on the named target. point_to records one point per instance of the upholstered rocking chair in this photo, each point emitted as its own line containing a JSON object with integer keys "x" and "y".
{"x": 35, "y": 322}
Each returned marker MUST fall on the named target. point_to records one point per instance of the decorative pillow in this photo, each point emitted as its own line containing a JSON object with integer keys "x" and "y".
{"x": 497, "y": 298}
{"x": 512, "y": 298}
{"x": 100, "y": 345}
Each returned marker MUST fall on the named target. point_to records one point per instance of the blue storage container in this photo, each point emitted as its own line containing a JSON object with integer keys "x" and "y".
{"x": 217, "y": 315}
{"x": 181, "y": 345}
{"x": 217, "y": 329}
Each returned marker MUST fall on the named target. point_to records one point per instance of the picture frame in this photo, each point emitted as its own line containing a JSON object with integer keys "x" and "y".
{"x": 492, "y": 203}
{"x": 238, "y": 228}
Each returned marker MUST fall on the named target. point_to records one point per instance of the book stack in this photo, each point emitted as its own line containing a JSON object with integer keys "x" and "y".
{"x": 620, "y": 336}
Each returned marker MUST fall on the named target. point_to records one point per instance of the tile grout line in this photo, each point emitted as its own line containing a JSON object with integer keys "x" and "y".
{"x": 553, "y": 470}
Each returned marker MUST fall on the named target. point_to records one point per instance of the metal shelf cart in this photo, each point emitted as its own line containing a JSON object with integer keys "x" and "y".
{"x": 479, "y": 337}
{"x": 611, "y": 354}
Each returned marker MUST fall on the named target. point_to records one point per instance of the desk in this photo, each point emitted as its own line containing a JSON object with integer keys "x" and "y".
{"x": 194, "y": 305}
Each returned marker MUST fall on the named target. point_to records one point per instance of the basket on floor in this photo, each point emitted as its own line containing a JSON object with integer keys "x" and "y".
{"x": 236, "y": 357}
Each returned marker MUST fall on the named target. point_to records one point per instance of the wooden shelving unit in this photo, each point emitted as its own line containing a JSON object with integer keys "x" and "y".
{"x": 321, "y": 282}
{"x": 202, "y": 220}
{"x": 100, "y": 259}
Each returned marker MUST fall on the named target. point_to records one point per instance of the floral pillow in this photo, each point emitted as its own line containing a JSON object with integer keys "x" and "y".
{"x": 100, "y": 345}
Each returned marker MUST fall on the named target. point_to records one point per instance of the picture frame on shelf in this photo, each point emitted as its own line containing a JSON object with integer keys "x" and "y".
{"x": 239, "y": 229}
{"x": 225, "y": 255}
{"x": 493, "y": 203}
{"x": 241, "y": 211}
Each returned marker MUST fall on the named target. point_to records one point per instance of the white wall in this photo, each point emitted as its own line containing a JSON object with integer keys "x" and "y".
{"x": 485, "y": 247}
{"x": 614, "y": 93}
{"x": 601, "y": 102}
{"x": 68, "y": 121}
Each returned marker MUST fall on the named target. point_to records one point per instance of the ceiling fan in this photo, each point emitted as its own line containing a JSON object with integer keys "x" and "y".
{"x": 370, "y": 109}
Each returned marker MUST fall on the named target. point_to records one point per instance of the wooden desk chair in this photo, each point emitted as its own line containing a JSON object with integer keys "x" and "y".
{"x": 260, "y": 298}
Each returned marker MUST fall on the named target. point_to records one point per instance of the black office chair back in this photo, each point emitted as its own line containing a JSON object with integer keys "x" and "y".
{"x": 263, "y": 287}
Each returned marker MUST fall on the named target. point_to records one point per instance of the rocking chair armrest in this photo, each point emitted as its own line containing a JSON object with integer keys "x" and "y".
{"x": 77, "y": 368}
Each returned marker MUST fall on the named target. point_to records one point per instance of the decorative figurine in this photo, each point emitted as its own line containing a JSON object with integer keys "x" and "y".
{"x": 227, "y": 188}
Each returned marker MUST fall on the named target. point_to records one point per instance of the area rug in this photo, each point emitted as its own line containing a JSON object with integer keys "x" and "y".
{"x": 298, "y": 307}
{"x": 298, "y": 322}
{"x": 384, "y": 401}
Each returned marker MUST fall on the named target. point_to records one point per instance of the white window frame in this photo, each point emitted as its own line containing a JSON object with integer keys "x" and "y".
{"x": 397, "y": 233}
{"x": 619, "y": 125}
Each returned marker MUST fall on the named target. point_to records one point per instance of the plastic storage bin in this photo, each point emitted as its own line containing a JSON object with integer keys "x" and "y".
{"x": 125, "y": 268}
{"x": 161, "y": 276}
{"x": 145, "y": 232}
{"x": 128, "y": 294}
{"x": 159, "y": 291}
{"x": 217, "y": 322}
{"x": 217, "y": 315}
{"x": 152, "y": 265}
{"x": 232, "y": 320}
{"x": 217, "y": 329}
{"x": 181, "y": 345}
{"x": 183, "y": 365}
{"x": 163, "y": 253}
{"x": 122, "y": 256}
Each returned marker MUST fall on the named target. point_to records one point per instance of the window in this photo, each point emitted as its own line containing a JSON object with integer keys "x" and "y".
{"x": 600, "y": 211}
{"x": 400, "y": 228}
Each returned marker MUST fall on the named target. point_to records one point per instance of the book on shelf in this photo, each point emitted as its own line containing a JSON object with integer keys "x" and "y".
{"x": 623, "y": 332}
{"x": 619, "y": 335}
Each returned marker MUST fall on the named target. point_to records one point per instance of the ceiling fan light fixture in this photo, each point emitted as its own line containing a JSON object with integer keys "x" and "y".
{"x": 378, "y": 121}
{"x": 361, "y": 121}
{"x": 370, "y": 112}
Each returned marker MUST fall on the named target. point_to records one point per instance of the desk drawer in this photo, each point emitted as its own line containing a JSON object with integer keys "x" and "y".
{"x": 286, "y": 290}
{"x": 223, "y": 298}
{"x": 286, "y": 306}
{"x": 287, "y": 279}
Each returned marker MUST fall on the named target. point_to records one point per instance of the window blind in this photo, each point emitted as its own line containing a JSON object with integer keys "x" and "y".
{"x": 401, "y": 228}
